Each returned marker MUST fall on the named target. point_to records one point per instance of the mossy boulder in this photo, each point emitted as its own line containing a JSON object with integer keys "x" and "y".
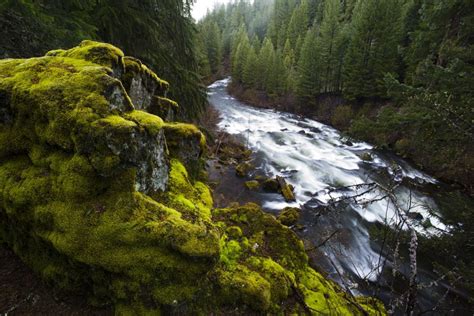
{"x": 289, "y": 216}
{"x": 97, "y": 198}
{"x": 271, "y": 185}
{"x": 79, "y": 166}
{"x": 252, "y": 184}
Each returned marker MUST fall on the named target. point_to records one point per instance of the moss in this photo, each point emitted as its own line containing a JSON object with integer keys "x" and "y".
{"x": 230, "y": 253}
{"x": 152, "y": 123}
{"x": 176, "y": 132}
{"x": 272, "y": 255}
{"x": 252, "y": 185}
{"x": 289, "y": 216}
{"x": 188, "y": 197}
{"x": 186, "y": 143}
{"x": 245, "y": 287}
{"x": 98, "y": 53}
{"x": 234, "y": 232}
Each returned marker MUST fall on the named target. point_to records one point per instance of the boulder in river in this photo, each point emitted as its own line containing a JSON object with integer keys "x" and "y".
{"x": 286, "y": 189}
{"x": 366, "y": 157}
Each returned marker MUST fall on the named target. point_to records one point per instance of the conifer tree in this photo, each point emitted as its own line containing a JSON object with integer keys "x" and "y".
{"x": 265, "y": 64}
{"x": 373, "y": 49}
{"x": 308, "y": 83}
{"x": 213, "y": 43}
{"x": 240, "y": 58}
{"x": 298, "y": 23}
{"x": 277, "y": 85}
{"x": 330, "y": 47}
{"x": 249, "y": 76}
{"x": 289, "y": 61}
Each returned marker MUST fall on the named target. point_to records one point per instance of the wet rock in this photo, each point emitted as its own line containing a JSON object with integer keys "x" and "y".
{"x": 415, "y": 216}
{"x": 366, "y": 157}
{"x": 289, "y": 216}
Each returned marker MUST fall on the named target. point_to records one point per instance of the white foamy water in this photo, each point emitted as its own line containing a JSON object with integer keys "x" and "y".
{"x": 316, "y": 159}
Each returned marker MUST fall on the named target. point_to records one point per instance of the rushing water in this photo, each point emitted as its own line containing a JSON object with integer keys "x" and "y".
{"x": 317, "y": 160}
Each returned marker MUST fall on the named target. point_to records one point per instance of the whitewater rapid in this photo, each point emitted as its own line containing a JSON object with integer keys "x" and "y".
{"x": 318, "y": 160}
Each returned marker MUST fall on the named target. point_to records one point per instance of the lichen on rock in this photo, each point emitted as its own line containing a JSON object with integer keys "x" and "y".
{"x": 99, "y": 197}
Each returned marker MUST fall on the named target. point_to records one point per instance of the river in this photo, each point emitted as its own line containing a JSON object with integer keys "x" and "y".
{"x": 327, "y": 169}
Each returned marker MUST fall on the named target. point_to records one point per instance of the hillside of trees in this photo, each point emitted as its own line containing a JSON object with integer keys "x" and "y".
{"x": 397, "y": 73}
{"x": 141, "y": 28}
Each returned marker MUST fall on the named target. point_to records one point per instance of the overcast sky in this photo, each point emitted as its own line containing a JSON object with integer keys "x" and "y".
{"x": 201, "y": 6}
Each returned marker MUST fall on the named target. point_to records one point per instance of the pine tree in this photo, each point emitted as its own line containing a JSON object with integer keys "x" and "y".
{"x": 240, "y": 58}
{"x": 308, "y": 83}
{"x": 277, "y": 83}
{"x": 330, "y": 41}
{"x": 289, "y": 61}
{"x": 299, "y": 22}
{"x": 213, "y": 43}
{"x": 265, "y": 64}
{"x": 249, "y": 76}
{"x": 299, "y": 46}
{"x": 373, "y": 50}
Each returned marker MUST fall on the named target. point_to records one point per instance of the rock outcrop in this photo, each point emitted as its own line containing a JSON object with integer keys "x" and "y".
{"x": 95, "y": 196}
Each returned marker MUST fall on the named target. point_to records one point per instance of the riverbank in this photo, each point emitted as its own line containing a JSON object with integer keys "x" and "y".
{"x": 403, "y": 131}
{"x": 316, "y": 158}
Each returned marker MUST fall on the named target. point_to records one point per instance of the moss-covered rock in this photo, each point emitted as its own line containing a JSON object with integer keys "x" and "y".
{"x": 286, "y": 189}
{"x": 252, "y": 184}
{"x": 271, "y": 185}
{"x": 95, "y": 196}
{"x": 289, "y": 216}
